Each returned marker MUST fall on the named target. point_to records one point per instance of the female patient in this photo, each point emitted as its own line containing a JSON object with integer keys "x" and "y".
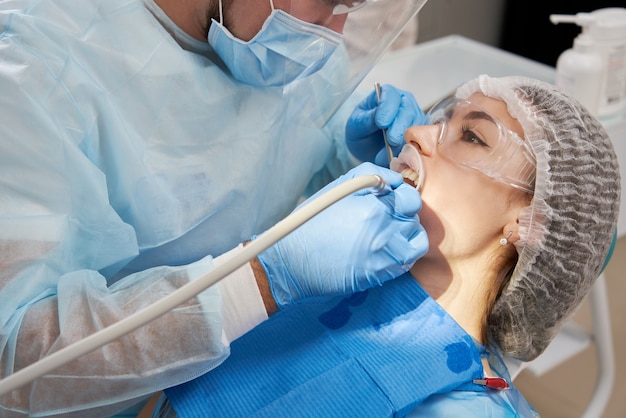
{"x": 520, "y": 191}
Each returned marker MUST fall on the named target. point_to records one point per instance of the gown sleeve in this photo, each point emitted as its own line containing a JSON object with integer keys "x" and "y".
{"x": 60, "y": 242}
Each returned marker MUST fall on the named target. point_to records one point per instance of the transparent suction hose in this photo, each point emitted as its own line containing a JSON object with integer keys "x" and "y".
{"x": 142, "y": 317}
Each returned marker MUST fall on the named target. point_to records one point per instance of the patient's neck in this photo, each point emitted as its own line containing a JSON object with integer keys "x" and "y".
{"x": 460, "y": 289}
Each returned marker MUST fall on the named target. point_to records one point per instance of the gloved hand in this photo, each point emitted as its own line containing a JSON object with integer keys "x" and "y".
{"x": 396, "y": 112}
{"x": 361, "y": 241}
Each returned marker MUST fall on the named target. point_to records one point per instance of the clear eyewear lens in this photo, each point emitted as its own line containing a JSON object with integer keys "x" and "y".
{"x": 470, "y": 136}
{"x": 349, "y": 7}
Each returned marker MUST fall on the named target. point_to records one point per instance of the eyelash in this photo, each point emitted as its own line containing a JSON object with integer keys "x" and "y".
{"x": 468, "y": 133}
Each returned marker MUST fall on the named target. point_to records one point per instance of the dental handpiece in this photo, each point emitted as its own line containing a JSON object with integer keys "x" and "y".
{"x": 118, "y": 329}
{"x": 387, "y": 146}
{"x": 381, "y": 187}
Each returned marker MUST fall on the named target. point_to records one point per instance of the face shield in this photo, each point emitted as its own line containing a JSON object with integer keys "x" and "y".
{"x": 300, "y": 51}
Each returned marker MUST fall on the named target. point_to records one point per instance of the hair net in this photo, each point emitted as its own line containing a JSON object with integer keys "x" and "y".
{"x": 568, "y": 228}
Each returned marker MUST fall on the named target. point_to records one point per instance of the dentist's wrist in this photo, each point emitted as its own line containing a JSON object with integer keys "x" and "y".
{"x": 263, "y": 284}
{"x": 264, "y": 287}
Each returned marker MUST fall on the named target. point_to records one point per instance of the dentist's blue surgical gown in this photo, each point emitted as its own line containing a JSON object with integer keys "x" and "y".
{"x": 124, "y": 148}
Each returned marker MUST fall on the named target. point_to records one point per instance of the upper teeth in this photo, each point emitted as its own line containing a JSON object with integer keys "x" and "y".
{"x": 408, "y": 173}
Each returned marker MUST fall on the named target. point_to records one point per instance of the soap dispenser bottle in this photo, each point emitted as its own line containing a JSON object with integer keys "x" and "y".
{"x": 605, "y": 30}
{"x": 580, "y": 71}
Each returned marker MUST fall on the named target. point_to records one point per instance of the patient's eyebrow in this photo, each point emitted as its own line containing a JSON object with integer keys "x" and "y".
{"x": 479, "y": 115}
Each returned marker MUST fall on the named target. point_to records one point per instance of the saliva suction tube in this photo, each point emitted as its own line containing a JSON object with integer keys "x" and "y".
{"x": 271, "y": 236}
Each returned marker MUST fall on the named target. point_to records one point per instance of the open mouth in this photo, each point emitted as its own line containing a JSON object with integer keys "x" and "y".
{"x": 409, "y": 164}
{"x": 410, "y": 177}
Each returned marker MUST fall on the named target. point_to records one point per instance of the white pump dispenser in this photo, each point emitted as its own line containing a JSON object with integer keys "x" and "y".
{"x": 580, "y": 73}
{"x": 604, "y": 34}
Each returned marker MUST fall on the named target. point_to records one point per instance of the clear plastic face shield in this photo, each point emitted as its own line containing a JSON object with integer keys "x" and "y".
{"x": 300, "y": 51}
{"x": 470, "y": 136}
{"x": 348, "y": 6}
{"x": 350, "y": 64}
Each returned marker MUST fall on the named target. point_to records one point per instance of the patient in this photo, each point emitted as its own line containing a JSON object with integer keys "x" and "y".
{"x": 520, "y": 190}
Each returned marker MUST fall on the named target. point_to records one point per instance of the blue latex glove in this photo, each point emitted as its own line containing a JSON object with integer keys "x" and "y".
{"x": 359, "y": 242}
{"x": 396, "y": 112}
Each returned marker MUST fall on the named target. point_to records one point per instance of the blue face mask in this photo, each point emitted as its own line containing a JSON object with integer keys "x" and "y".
{"x": 285, "y": 49}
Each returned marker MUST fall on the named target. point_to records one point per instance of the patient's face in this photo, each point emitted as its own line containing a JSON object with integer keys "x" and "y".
{"x": 464, "y": 210}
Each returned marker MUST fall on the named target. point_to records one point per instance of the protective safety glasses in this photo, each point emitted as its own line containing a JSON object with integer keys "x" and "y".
{"x": 470, "y": 136}
{"x": 349, "y": 6}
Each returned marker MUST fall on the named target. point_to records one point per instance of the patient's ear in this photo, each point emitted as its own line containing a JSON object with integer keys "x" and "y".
{"x": 511, "y": 232}
{"x": 511, "y": 228}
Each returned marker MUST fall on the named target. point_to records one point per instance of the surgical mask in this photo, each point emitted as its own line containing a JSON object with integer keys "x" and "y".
{"x": 470, "y": 136}
{"x": 284, "y": 50}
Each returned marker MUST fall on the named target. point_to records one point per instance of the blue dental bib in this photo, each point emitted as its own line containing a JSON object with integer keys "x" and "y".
{"x": 376, "y": 353}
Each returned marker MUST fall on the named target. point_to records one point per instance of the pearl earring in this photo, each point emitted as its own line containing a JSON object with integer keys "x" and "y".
{"x": 505, "y": 240}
